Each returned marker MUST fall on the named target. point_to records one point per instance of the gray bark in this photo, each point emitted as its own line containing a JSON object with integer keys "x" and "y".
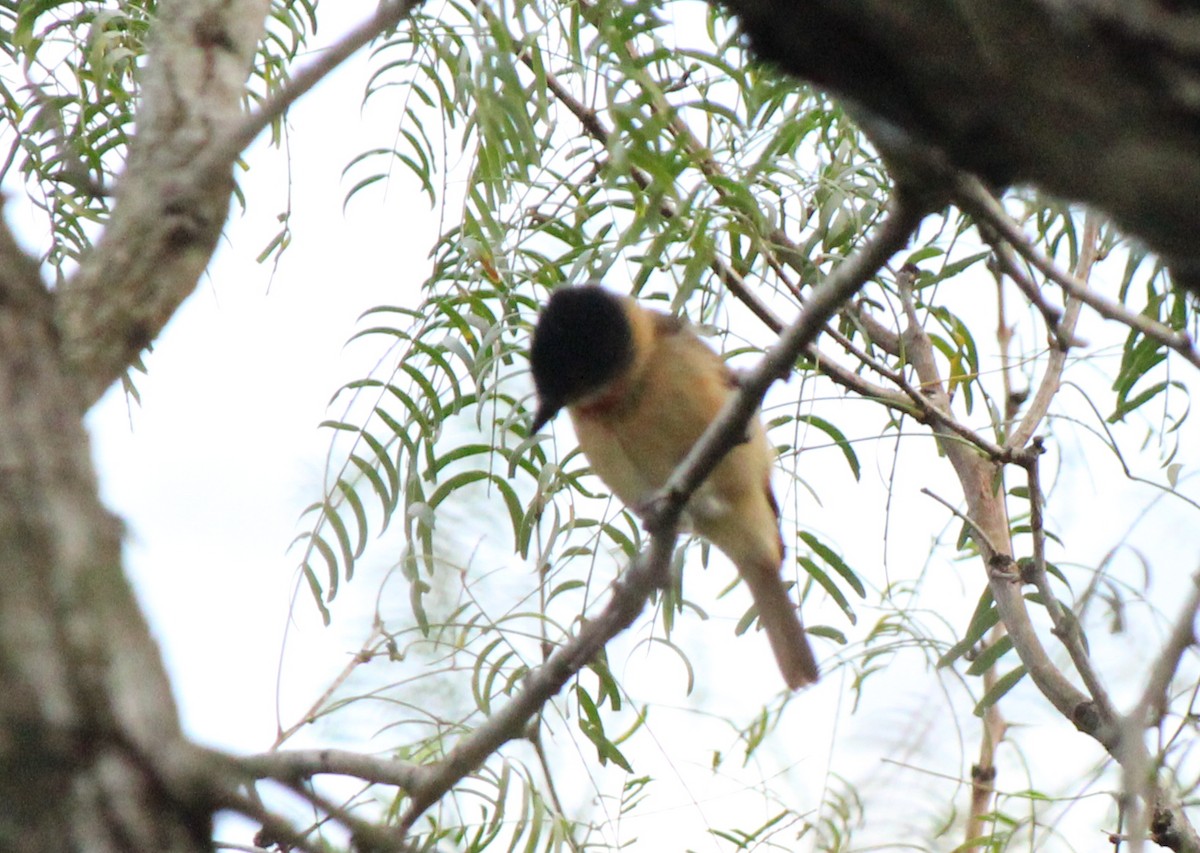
{"x": 90, "y": 743}
{"x": 85, "y": 706}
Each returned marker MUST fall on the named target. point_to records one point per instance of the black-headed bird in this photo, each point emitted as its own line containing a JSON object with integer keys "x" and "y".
{"x": 641, "y": 388}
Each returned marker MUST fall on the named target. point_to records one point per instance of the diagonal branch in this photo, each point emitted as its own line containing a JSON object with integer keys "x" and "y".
{"x": 173, "y": 199}
{"x": 224, "y": 774}
{"x": 630, "y": 592}
{"x": 826, "y": 299}
{"x": 1092, "y": 714}
{"x": 728, "y": 276}
{"x": 977, "y": 476}
{"x": 974, "y": 198}
{"x": 389, "y": 14}
{"x": 1066, "y": 628}
{"x": 633, "y": 587}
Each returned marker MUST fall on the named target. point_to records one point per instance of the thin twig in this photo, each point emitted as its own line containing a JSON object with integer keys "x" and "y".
{"x": 369, "y": 649}
{"x": 976, "y": 530}
{"x": 973, "y": 197}
{"x": 831, "y": 369}
{"x": 1064, "y": 329}
{"x": 387, "y": 15}
{"x": 366, "y": 835}
{"x": 1007, "y": 263}
{"x": 539, "y": 749}
{"x": 983, "y": 774}
{"x": 930, "y": 397}
{"x": 631, "y": 590}
{"x": 1066, "y": 628}
{"x": 892, "y": 235}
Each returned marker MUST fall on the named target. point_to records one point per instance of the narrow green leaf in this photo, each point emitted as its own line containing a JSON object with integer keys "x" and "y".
{"x": 982, "y": 620}
{"x": 835, "y": 562}
{"x": 990, "y": 655}
{"x": 314, "y": 587}
{"x": 838, "y": 438}
{"x": 1003, "y": 684}
{"x": 334, "y": 519}
{"x": 360, "y": 516}
{"x": 829, "y": 586}
{"x": 331, "y": 565}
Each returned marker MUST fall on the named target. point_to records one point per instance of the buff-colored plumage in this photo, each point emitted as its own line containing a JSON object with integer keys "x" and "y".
{"x": 638, "y": 424}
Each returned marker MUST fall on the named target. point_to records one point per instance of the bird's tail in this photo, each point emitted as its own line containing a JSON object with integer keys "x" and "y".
{"x": 781, "y": 620}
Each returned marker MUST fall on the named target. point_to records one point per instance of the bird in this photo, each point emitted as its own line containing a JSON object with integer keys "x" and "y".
{"x": 640, "y": 388}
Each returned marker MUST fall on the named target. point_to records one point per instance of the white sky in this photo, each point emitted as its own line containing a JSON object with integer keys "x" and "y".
{"x": 212, "y": 470}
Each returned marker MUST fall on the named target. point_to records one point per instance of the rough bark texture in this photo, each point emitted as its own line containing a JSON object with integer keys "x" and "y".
{"x": 85, "y": 706}
{"x": 1094, "y": 100}
{"x": 90, "y": 743}
{"x": 173, "y": 198}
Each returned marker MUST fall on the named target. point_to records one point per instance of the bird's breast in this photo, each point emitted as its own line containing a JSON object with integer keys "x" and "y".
{"x": 603, "y": 437}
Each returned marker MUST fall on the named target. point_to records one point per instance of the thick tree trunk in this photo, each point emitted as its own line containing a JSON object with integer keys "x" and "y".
{"x": 91, "y": 753}
{"x": 86, "y": 713}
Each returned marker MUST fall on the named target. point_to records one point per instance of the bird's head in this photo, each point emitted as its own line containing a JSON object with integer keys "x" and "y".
{"x": 582, "y": 341}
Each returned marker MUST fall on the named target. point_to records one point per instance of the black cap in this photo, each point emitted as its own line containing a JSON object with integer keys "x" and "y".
{"x": 582, "y": 341}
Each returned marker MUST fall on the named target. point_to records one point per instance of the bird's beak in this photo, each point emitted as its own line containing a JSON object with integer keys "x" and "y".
{"x": 545, "y": 411}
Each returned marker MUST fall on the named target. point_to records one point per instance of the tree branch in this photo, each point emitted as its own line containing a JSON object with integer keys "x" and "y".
{"x": 173, "y": 199}
{"x": 292, "y": 765}
{"x": 1046, "y": 97}
{"x": 1065, "y": 628}
{"x": 728, "y": 276}
{"x": 892, "y": 234}
{"x": 632, "y": 588}
{"x": 1092, "y": 715}
{"x": 168, "y": 212}
{"x": 1051, "y": 314}
{"x": 85, "y": 697}
{"x": 389, "y": 14}
{"x": 974, "y": 198}
{"x": 1166, "y": 820}
{"x": 924, "y": 406}
{"x": 630, "y": 591}
{"x": 989, "y": 517}
{"x": 1062, "y": 331}
{"x": 983, "y": 774}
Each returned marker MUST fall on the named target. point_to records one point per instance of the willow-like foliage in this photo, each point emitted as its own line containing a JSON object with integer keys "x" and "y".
{"x": 637, "y": 144}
